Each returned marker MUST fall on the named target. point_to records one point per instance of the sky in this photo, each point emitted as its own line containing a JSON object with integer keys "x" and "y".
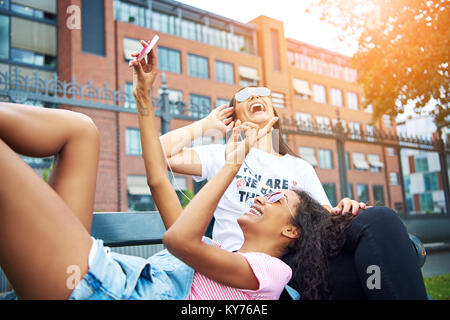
{"x": 297, "y": 24}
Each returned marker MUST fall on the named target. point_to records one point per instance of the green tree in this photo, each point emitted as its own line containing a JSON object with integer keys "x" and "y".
{"x": 403, "y": 51}
{"x": 46, "y": 173}
{"x": 185, "y": 201}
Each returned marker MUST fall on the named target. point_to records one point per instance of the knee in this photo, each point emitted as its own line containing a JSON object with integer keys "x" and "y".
{"x": 86, "y": 129}
{"x": 382, "y": 216}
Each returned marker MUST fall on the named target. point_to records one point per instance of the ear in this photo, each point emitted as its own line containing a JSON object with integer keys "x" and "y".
{"x": 290, "y": 231}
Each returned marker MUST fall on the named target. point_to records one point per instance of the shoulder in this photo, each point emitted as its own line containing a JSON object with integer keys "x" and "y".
{"x": 264, "y": 264}
{"x": 272, "y": 274}
{"x": 299, "y": 163}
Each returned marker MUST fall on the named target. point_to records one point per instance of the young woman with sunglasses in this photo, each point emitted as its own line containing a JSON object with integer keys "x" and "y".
{"x": 47, "y": 252}
{"x": 377, "y": 236}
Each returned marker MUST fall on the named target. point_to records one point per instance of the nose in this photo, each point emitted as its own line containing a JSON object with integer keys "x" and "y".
{"x": 260, "y": 200}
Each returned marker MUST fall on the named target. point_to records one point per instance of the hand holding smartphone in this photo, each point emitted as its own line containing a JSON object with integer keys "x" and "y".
{"x": 146, "y": 50}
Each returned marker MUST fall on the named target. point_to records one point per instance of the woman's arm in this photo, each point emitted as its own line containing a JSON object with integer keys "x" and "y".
{"x": 165, "y": 197}
{"x": 184, "y": 238}
{"x": 176, "y": 143}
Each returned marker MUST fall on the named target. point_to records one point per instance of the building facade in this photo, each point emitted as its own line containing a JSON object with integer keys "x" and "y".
{"x": 205, "y": 58}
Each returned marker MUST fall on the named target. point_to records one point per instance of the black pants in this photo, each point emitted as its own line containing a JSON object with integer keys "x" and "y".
{"x": 378, "y": 261}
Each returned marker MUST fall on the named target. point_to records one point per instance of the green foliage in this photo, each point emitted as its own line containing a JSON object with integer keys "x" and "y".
{"x": 188, "y": 193}
{"x": 438, "y": 287}
{"x": 46, "y": 173}
{"x": 403, "y": 51}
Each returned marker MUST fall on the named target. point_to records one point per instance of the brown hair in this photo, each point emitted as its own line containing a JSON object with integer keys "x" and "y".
{"x": 277, "y": 135}
{"x": 321, "y": 235}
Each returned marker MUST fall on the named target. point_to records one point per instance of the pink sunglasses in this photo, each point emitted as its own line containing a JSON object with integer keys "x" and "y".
{"x": 276, "y": 197}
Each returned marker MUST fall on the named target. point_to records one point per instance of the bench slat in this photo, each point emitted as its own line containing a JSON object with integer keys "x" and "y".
{"x": 118, "y": 229}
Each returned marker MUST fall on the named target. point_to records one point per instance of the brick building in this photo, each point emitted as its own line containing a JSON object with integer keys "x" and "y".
{"x": 206, "y": 58}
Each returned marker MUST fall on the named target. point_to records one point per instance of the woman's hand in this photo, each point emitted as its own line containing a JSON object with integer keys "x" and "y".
{"x": 237, "y": 149}
{"x": 144, "y": 73}
{"x": 348, "y": 205}
{"x": 220, "y": 119}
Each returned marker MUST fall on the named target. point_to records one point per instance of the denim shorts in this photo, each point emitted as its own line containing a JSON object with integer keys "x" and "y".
{"x": 114, "y": 276}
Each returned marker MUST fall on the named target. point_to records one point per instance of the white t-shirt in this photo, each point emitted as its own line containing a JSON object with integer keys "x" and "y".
{"x": 260, "y": 174}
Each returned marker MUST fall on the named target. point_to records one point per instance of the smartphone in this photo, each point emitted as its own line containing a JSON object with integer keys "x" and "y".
{"x": 146, "y": 50}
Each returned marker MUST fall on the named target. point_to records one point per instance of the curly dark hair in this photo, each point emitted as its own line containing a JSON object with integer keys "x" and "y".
{"x": 321, "y": 235}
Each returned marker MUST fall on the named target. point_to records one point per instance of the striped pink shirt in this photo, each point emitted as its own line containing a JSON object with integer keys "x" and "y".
{"x": 272, "y": 274}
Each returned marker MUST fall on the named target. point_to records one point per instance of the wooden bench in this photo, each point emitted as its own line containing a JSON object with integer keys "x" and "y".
{"x": 122, "y": 229}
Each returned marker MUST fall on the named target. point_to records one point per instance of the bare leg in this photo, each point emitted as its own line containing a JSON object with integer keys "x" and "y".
{"x": 72, "y": 137}
{"x": 40, "y": 237}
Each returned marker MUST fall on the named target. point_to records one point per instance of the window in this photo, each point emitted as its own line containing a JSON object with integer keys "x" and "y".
{"x": 139, "y": 194}
{"x": 375, "y": 163}
{"x": 330, "y": 191}
{"x": 221, "y": 101}
{"x": 278, "y": 100}
{"x": 421, "y": 163}
{"x": 347, "y": 160}
{"x": 130, "y": 13}
{"x": 4, "y": 37}
{"x": 308, "y": 154}
{"x": 322, "y": 66}
{"x": 34, "y": 42}
{"x": 370, "y": 133}
{"x": 4, "y": 4}
{"x": 359, "y": 161}
{"x": 93, "y": 27}
{"x": 130, "y": 102}
{"x": 304, "y": 121}
{"x": 301, "y": 88}
{"x": 369, "y": 109}
{"x": 355, "y": 130}
{"x": 198, "y": 66}
{"x": 42, "y": 9}
{"x": 319, "y": 93}
{"x": 240, "y": 40}
{"x": 431, "y": 181}
{"x": 394, "y": 178}
{"x": 336, "y": 97}
{"x": 130, "y": 46}
{"x": 200, "y": 105}
{"x": 326, "y": 159}
{"x": 426, "y": 202}
{"x": 350, "y": 191}
{"x": 391, "y": 152}
{"x": 362, "y": 192}
{"x": 248, "y": 76}
{"x": 224, "y": 72}
{"x": 323, "y": 124}
{"x": 378, "y": 195}
{"x": 352, "y": 100}
{"x": 164, "y": 23}
{"x": 133, "y": 142}
{"x": 169, "y": 60}
{"x": 387, "y": 121}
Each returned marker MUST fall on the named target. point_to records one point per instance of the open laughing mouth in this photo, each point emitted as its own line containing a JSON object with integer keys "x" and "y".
{"x": 255, "y": 210}
{"x": 256, "y": 107}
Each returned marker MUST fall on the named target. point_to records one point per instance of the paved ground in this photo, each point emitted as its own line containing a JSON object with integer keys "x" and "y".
{"x": 437, "y": 263}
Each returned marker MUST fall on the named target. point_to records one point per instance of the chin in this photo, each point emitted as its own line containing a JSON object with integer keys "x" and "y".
{"x": 260, "y": 118}
{"x": 246, "y": 220}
